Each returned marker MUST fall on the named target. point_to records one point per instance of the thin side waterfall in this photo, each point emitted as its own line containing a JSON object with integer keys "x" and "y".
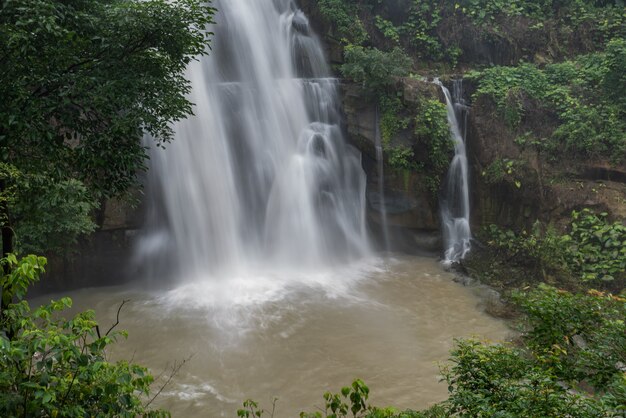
{"x": 382, "y": 208}
{"x": 260, "y": 177}
{"x": 455, "y": 207}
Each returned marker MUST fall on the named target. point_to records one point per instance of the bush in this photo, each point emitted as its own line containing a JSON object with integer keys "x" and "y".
{"x": 350, "y": 402}
{"x": 402, "y": 158}
{"x": 392, "y": 120}
{"x": 54, "y": 221}
{"x": 596, "y": 247}
{"x": 578, "y": 337}
{"x": 342, "y": 14}
{"x": 433, "y": 131}
{"x": 501, "y": 381}
{"x": 584, "y": 95}
{"x": 373, "y": 68}
{"x": 540, "y": 251}
{"x": 502, "y": 169}
{"x": 593, "y": 250}
{"x": 614, "y": 81}
{"x": 53, "y": 367}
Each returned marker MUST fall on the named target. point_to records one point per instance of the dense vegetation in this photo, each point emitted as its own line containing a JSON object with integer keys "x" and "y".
{"x": 564, "y": 58}
{"x": 55, "y": 367}
{"x": 80, "y": 81}
{"x": 585, "y": 95}
{"x": 591, "y": 253}
{"x": 442, "y": 31}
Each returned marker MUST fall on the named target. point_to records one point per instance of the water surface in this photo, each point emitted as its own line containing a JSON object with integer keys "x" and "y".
{"x": 386, "y": 322}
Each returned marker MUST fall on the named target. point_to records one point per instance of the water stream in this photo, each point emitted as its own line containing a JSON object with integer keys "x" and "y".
{"x": 455, "y": 206}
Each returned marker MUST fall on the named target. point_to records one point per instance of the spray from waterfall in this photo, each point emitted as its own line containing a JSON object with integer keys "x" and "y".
{"x": 260, "y": 177}
{"x": 455, "y": 207}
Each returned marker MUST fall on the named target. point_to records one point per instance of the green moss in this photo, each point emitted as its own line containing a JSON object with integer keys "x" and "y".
{"x": 433, "y": 132}
{"x": 585, "y": 94}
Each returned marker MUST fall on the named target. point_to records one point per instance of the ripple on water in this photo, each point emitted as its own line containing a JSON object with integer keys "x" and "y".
{"x": 295, "y": 335}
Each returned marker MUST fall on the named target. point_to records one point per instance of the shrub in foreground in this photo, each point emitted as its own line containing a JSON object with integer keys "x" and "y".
{"x": 54, "y": 367}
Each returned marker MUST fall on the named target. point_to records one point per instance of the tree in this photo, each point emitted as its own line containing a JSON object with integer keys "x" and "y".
{"x": 80, "y": 81}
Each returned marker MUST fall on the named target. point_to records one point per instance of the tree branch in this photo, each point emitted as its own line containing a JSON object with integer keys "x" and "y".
{"x": 175, "y": 369}
{"x": 117, "y": 319}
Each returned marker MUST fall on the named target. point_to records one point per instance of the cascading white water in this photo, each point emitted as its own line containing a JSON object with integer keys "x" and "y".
{"x": 261, "y": 175}
{"x": 455, "y": 207}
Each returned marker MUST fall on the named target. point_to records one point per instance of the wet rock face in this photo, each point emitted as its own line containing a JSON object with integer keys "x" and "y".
{"x": 408, "y": 203}
{"x": 360, "y": 119}
{"x": 539, "y": 188}
{"x": 412, "y": 212}
{"x": 498, "y": 202}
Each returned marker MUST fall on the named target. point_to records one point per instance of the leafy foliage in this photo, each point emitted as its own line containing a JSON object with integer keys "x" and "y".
{"x": 432, "y": 130}
{"x": 22, "y": 273}
{"x": 81, "y": 80}
{"x": 50, "y": 216}
{"x": 500, "y": 381}
{"x": 352, "y": 401}
{"x": 539, "y": 250}
{"x": 578, "y": 337}
{"x": 501, "y": 169}
{"x": 401, "y": 158}
{"x": 580, "y": 93}
{"x": 593, "y": 250}
{"x": 420, "y": 28}
{"x": 389, "y": 30}
{"x": 392, "y": 119}
{"x": 53, "y": 367}
{"x": 373, "y": 68}
{"x": 344, "y": 16}
{"x": 596, "y": 247}
{"x": 614, "y": 80}
{"x": 427, "y": 28}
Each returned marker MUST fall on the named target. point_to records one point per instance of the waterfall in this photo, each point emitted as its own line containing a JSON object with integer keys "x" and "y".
{"x": 455, "y": 207}
{"x": 260, "y": 176}
{"x": 381, "y": 183}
